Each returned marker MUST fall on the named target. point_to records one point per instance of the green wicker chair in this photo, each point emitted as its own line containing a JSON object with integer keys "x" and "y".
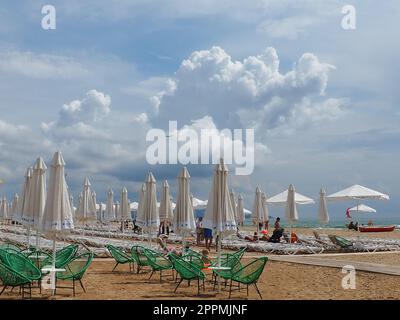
{"x": 9, "y": 245}
{"x": 24, "y": 266}
{"x": 3, "y": 255}
{"x": 38, "y": 257}
{"x": 238, "y": 254}
{"x": 137, "y": 253}
{"x": 157, "y": 262}
{"x": 120, "y": 257}
{"x": 191, "y": 252}
{"x": 233, "y": 263}
{"x": 249, "y": 274}
{"x": 11, "y": 278}
{"x": 187, "y": 271}
{"x": 63, "y": 256}
{"x": 75, "y": 270}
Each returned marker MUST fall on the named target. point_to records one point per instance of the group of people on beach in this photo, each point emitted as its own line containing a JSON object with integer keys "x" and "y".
{"x": 278, "y": 234}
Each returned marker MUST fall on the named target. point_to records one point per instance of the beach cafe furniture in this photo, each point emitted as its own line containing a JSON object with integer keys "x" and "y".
{"x": 120, "y": 257}
{"x": 62, "y": 256}
{"x": 11, "y": 278}
{"x": 157, "y": 262}
{"x": 137, "y": 253}
{"x": 187, "y": 271}
{"x": 75, "y": 270}
{"x": 248, "y": 274}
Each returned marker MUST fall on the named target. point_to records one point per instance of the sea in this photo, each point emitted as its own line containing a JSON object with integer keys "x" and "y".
{"x": 334, "y": 223}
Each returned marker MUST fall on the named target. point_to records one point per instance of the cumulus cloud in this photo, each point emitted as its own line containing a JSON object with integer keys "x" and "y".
{"x": 211, "y": 83}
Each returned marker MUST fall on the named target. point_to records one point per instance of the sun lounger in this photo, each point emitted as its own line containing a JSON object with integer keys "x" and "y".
{"x": 348, "y": 245}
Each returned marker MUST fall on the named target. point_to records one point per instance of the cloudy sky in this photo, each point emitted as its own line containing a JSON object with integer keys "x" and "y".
{"x": 323, "y": 101}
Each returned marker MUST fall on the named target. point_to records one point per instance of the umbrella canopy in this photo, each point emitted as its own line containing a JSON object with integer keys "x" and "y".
{"x": 362, "y": 208}
{"x": 234, "y": 204}
{"x": 264, "y": 207}
{"x": 94, "y": 196}
{"x": 22, "y": 202}
{"x": 240, "y": 210}
{"x": 9, "y": 210}
{"x": 357, "y": 192}
{"x": 291, "y": 214}
{"x": 71, "y": 201}
{"x": 117, "y": 210}
{"x": 14, "y": 204}
{"x": 323, "y": 215}
{"x": 57, "y": 214}
{"x": 3, "y": 208}
{"x": 109, "y": 214}
{"x": 142, "y": 197}
{"x": 281, "y": 199}
{"x": 147, "y": 217}
{"x": 86, "y": 210}
{"x": 257, "y": 213}
{"x": 124, "y": 212}
{"x": 166, "y": 213}
{"x": 36, "y": 195}
{"x": 219, "y": 215}
{"x": 183, "y": 220}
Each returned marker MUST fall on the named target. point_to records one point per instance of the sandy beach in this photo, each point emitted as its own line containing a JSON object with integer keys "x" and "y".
{"x": 280, "y": 280}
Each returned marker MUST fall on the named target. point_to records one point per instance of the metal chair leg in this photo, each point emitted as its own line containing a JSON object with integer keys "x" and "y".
{"x": 151, "y": 274}
{"x": 255, "y": 284}
{"x": 176, "y": 288}
{"x": 4, "y": 288}
{"x": 84, "y": 290}
{"x": 115, "y": 266}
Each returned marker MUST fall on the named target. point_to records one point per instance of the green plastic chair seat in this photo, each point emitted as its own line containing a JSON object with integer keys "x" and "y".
{"x": 157, "y": 261}
{"x": 11, "y": 278}
{"x": 76, "y": 268}
{"x": 119, "y": 255}
{"x": 6, "y": 246}
{"x": 38, "y": 257}
{"x": 186, "y": 270}
{"x": 63, "y": 256}
{"x": 250, "y": 273}
{"x": 233, "y": 263}
{"x": 137, "y": 253}
{"x": 23, "y": 265}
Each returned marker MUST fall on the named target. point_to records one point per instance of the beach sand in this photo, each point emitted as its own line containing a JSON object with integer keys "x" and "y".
{"x": 280, "y": 280}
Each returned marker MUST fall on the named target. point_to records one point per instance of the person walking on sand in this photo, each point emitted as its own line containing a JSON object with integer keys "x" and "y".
{"x": 208, "y": 237}
{"x": 199, "y": 231}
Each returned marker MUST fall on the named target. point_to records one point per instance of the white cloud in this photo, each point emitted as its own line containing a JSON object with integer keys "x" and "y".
{"x": 41, "y": 66}
{"x": 238, "y": 93}
{"x": 94, "y": 107}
